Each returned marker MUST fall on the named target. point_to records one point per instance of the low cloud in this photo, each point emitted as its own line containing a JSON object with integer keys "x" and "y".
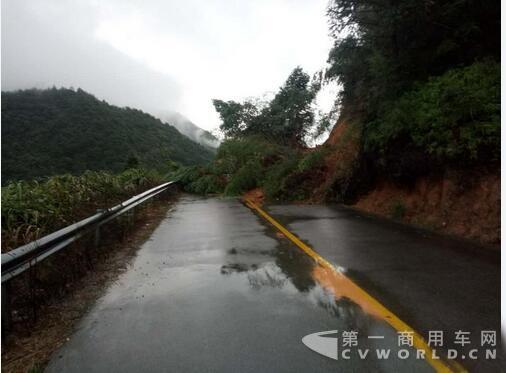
{"x": 162, "y": 55}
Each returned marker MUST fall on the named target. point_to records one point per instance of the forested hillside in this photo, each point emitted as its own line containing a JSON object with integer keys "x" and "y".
{"x": 421, "y": 89}
{"x": 56, "y": 131}
{"x": 417, "y": 131}
{"x": 421, "y": 79}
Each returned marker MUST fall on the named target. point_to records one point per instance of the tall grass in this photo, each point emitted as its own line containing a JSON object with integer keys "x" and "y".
{"x": 32, "y": 209}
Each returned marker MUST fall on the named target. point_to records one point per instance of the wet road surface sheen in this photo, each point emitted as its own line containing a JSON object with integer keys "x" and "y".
{"x": 216, "y": 290}
{"x": 432, "y": 282}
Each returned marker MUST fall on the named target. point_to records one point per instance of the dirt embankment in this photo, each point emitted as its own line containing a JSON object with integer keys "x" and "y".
{"x": 461, "y": 203}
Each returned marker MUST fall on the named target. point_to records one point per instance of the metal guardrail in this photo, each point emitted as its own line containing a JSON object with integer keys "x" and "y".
{"x": 22, "y": 258}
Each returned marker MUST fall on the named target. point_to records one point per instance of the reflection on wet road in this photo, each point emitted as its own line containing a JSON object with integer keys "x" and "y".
{"x": 215, "y": 289}
{"x": 435, "y": 283}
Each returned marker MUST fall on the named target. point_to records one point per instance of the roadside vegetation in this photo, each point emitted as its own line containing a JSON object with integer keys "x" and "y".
{"x": 422, "y": 82}
{"x": 32, "y": 209}
{"x": 46, "y": 302}
{"x": 264, "y": 145}
{"x": 420, "y": 96}
{"x": 283, "y": 173}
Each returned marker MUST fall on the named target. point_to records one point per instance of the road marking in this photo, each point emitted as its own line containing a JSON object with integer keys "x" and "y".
{"x": 438, "y": 364}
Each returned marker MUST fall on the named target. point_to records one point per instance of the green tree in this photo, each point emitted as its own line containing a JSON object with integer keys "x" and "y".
{"x": 415, "y": 75}
{"x": 132, "y": 162}
{"x": 383, "y": 46}
{"x": 235, "y": 117}
{"x": 285, "y": 120}
{"x": 289, "y": 115}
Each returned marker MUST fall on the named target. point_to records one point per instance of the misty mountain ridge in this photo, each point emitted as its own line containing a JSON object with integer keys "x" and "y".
{"x": 57, "y": 131}
{"x": 189, "y": 129}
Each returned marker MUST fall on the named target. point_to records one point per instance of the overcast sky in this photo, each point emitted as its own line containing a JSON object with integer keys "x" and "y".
{"x": 159, "y": 55}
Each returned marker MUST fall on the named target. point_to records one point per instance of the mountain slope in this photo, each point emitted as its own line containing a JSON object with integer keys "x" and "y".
{"x": 55, "y": 131}
{"x": 190, "y": 129}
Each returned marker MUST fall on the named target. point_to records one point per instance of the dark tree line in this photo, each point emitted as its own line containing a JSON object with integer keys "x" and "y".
{"x": 394, "y": 57}
{"x": 56, "y": 131}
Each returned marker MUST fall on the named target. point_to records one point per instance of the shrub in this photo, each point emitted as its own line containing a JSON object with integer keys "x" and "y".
{"x": 452, "y": 117}
{"x": 397, "y": 210}
{"x": 207, "y": 184}
{"x": 300, "y": 185}
{"x": 273, "y": 184}
{"x": 246, "y": 163}
{"x": 235, "y": 153}
{"x": 312, "y": 160}
{"x": 186, "y": 175}
{"x": 246, "y": 178}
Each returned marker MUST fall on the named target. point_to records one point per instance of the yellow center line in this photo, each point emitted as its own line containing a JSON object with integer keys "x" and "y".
{"x": 418, "y": 341}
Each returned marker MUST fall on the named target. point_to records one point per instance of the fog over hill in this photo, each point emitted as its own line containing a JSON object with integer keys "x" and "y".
{"x": 189, "y": 129}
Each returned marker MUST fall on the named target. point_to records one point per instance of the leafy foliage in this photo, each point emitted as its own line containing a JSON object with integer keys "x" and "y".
{"x": 312, "y": 160}
{"x": 246, "y": 163}
{"x": 199, "y": 179}
{"x": 235, "y": 117}
{"x": 383, "y": 46}
{"x": 422, "y": 79}
{"x": 274, "y": 181}
{"x": 56, "y": 131}
{"x": 207, "y": 184}
{"x": 246, "y": 178}
{"x": 235, "y": 153}
{"x": 31, "y": 209}
{"x": 453, "y": 117}
{"x": 286, "y": 119}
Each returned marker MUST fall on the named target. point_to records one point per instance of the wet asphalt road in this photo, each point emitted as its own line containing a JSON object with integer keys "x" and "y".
{"x": 434, "y": 283}
{"x": 215, "y": 289}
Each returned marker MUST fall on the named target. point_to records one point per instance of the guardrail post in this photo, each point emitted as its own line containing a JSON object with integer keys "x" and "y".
{"x": 6, "y": 309}
{"x": 33, "y": 293}
{"x": 127, "y": 223}
{"x": 96, "y": 240}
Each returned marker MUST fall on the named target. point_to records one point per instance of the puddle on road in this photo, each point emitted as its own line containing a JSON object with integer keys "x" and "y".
{"x": 288, "y": 269}
{"x": 352, "y": 308}
{"x": 342, "y": 288}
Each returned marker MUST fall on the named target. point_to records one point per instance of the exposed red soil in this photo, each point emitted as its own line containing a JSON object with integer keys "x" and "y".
{"x": 461, "y": 203}
{"x": 255, "y": 195}
{"x": 336, "y": 135}
{"x": 343, "y": 148}
{"x": 465, "y": 204}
